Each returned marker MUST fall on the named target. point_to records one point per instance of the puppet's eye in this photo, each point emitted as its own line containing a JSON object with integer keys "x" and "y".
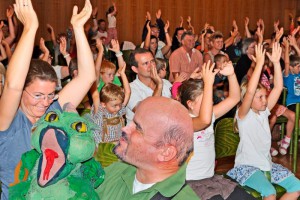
{"x": 80, "y": 127}
{"x": 51, "y": 117}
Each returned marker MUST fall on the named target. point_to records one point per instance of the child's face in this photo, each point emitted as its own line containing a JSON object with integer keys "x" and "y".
{"x": 108, "y": 75}
{"x": 295, "y": 69}
{"x": 113, "y": 107}
{"x": 260, "y": 101}
{"x": 221, "y": 63}
{"x": 162, "y": 73}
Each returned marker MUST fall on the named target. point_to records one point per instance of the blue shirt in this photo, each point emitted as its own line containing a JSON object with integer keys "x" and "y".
{"x": 292, "y": 83}
{"x": 15, "y": 141}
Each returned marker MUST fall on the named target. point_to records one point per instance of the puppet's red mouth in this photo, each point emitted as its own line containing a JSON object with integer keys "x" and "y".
{"x": 53, "y": 158}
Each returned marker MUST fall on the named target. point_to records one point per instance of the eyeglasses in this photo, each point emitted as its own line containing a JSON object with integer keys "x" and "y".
{"x": 39, "y": 97}
{"x": 148, "y": 62}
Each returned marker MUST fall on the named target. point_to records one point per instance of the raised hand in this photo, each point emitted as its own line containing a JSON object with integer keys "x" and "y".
{"x": 227, "y": 69}
{"x": 148, "y": 26}
{"x": 292, "y": 40}
{"x": 181, "y": 21}
{"x": 295, "y": 31}
{"x": 148, "y": 16}
{"x": 49, "y": 28}
{"x": 95, "y": 12}
{"x": 154, "y": 76}
{"x": 197, "y": 74}
{"x": 42, "y": 46}
{"x": 79, "y": 19}
{"x": 279, "y": 34}
{"x": 158, "y": 14}
{"x": 63, "y": 46}
{"x": 276, "y": 53}
{"x": 26, "y": 14}
{"x": 189, "y": 19}
{"x": 247, "y": 21}
{"x": 209, "y": 73}
{"x": 260, "y": 55}
{"x": 9, "y": 11}
{"x": 121, "y": 70}
{"x": 115, "y": 46}
{"x": 99, "y": 45}
{"x": 167, "y": 26}
{"x": 182, "y": 77}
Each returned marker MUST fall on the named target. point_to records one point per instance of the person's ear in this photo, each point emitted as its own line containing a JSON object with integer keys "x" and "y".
{"x": 103, "y": 104}
{"x": 167, "y": 153}
{"x": 190, "y": 104}
{"x": 134, "y": 68}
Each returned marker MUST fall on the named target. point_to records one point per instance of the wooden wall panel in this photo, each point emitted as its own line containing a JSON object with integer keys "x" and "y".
{"x": 131, "y": 16}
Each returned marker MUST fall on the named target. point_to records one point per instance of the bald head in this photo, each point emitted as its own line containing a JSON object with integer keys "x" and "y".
{"x": 171, "y": 123}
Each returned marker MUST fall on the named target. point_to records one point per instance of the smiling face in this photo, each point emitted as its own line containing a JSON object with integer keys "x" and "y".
{"x": 32, "y": 108}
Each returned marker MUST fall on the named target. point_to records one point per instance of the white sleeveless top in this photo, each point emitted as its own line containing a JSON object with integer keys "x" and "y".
{"x": 202, "y": 163}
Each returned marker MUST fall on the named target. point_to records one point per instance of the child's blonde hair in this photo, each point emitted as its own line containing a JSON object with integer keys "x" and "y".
{"x": 107, "y": 65}
{"x": 111, "y": 92}
{"x": 244, "y": 87}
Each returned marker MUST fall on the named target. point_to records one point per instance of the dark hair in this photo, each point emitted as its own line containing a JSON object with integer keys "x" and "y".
{"x": 132, "y": 60}
{"x": 190, "y": 90}
{"x": 186, "y": 33}
{"x": 110, "y": 10}
{"x": 42, "y": 70}
{"x": 100, "y": 21}
{"x": 175, "y": 42}
{"x": 294, "y": 60}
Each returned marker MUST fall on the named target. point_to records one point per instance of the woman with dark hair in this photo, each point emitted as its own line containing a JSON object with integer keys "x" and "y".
{"x": 29, "y": 89}
{"x": 176, "y": 41}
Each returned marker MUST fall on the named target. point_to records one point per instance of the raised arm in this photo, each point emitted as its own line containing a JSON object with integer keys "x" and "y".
{"x": 94, "y": 17}
{"x": 167, "y": 47}
{"x": 94, "y": 89}
{"x": 229, "y": 41}
{"x": 157, "y": 80}
{"x": 147, "y": 39}
{"x": 247, "y": 32}
{"x": 18, "y": 66}
{"x": 116, "y": 48}
{"x": 125, "y": 82}
{"x": 203, "y": 120}
{"x": 7, "y": 49}
{"x": 52, "y": 34}
{"x": 253, "y": 82}
{"x": 115, "y": 9}
{"x": 293, "y": 41}
{"x": 278, "y": 80}
{"x": 145, "y": 30}
{"x": 44, "y": 50}
{"x": 11, "y": 28}
{"x": 63, "y": 49}
{"x": 234, "y": 92}
{"x": 86, "y": 67}
{"x": 160, "y": 23}
{"x": 3, "y": 54}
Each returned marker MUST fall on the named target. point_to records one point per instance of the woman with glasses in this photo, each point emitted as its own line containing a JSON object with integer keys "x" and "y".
{"x": 29, "y": 89}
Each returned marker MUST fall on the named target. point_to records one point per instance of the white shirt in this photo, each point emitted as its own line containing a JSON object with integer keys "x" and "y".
{"x": 139, "y": 92}
{"x": 112, "y": 21}
{"x": 138, "y": 186}
{"x": 255, "y": 140}
{"x": 202, "y": 163}
{"x": 159, "y": 53}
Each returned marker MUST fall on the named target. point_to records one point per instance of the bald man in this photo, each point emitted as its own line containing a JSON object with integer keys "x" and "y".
{"x": 155, "y": 145}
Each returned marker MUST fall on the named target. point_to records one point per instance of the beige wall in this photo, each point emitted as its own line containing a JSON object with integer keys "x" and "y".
{"x": 131, "y": 16}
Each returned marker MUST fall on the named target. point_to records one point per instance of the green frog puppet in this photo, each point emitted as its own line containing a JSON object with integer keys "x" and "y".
{"x": 61, "y": 163}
